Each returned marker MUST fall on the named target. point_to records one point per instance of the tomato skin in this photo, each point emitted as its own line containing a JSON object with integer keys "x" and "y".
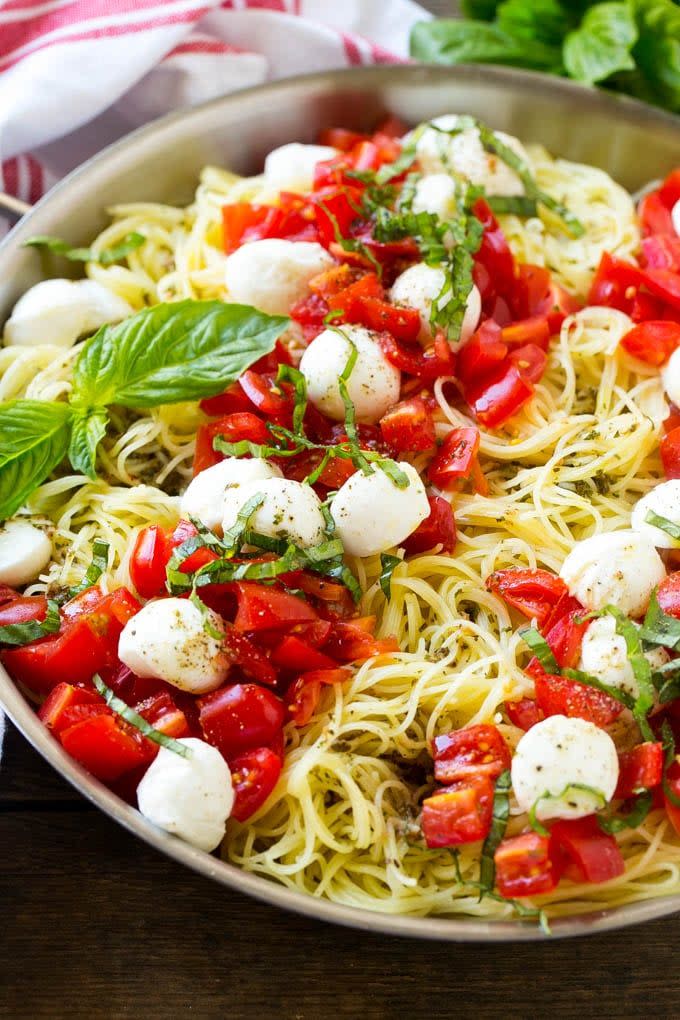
{"x": 379, "y": 316}
{"x": 499, "y": 397}
{"x": 557, "y": 695}
{"x": 494, "y": 253}
{"x": 524, "y": 713}
{"x": 525, "y": 866}
{"x": 455, "y": 458}
{"x": 424, "y": 365}
{"x": 530, "y": 360}
{"x": 266, "y": 608}
{"x": 251, "y": 659}
{"x": 264, "y": 394}
{"x": 437, "y": 529}
{"x": 353, "y": 641}
{"x": 640, "y": 769}
{"x": 301, "y": 700}
{"x": 668, "y": 594}
{"x": 54, "y": 711}
{"x": 22, "y": 608}
{"x": 254, "y": 775}
{"x": 564, "y": 630}
{"x": 484, "y": 352}
{"x": 669, "y": 447}
{"x": 592, "y": 855}
{"x": 106, "y": 747}
{"x": 409, "y": 425}
{"x": 336, "y": 208}
{"x": 148, "y": 561}
{"x": 296, "y": 655}
{"x": 614, "y": 282}
{"x": 536, "y": 294}
{"x": 652, "y": 342}
{"x": 458, "y": 814}
{"x": 661, "y": 251}
{"x": 240, "y": 717}
{"x": 475, "y": 750}
{"x": 535, "y": 593}
{"x": 164, "y": 715}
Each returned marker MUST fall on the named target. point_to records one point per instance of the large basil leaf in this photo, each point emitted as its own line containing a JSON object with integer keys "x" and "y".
{"x": 602, "y": 43}
{"x": 657, "y": 53}
{"x": 34, "y": 439}
{"x": 544, "y": 21}
{"x": 184, "y": 350}
{"x": 452, "y": 41}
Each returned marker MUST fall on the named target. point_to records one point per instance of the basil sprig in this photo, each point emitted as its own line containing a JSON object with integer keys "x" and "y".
{"x": 499, "y": 823}
{"x": 106, "y": 257}
{"x": 184, "y": 350}
{"x": 18, "y": 634}
{"x": 138, "y": 721}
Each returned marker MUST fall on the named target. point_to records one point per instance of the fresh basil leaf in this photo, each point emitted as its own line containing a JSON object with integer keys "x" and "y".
{"x": 387, "y": 565}
{"x": 516, "y": 205}
{"x": 666, "y": 680}
{"x": 634, "y": 818}
{"x": 501, "y": 813}
{"x": 602, "y": 43}
{"x": 18, "y": 634}
{"x": 208, "y": 626}
{"x": 544, "y": 21}
{"x": 106, "y": 257}
{"x": 555, "y": 798}
{"x": 541, "y": 649}
{"x": 287, "y": 373}
{"x": 642, "y": 670}
{"x": 182, "y": 350}
{"x": 657, "y": 521}
{"x": 657, "y": 54}
{"x": 659, "y": 628}
{"x": 88, "y": 430}
{"x": 483, "y": 9}
{"x": 138, "y": 721}
{"x": 98, "y": 566}
{"x": 591, "y": 681}
{"x": 35, "y": 438}
{"x": 454, "y": 41}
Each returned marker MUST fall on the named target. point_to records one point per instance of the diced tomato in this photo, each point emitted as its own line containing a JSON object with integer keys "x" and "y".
{"x": 525, "y": 866}
{"x": 494, "y": 253}
{"x": 254, "y": 775}
{"x": 310, "y": 310}
{"x": 265, "y": 394}
{"x": 231, "y": 401}
{"x": 534, "y": 330}
{"x": 164, "y": 715}
{"x": 55, "y": 710}
{"x": 455, "y": 458}
{"x": 242, "y": 220}
{"x": 341, "y": 138}
{"x": 240, "y": 717}
{"x": 378, "y": 315}
{"x": 615, "y": 283}
{"x": 669, "y": 447}
{"x": 333, "y": 281}
{"x": 353, "y": 641}
{"x": 668, "y": 594}
{"x": 107, "y": 746}
{"x": 530, "y": 361}
{"x": 664, "y": 284}
{"x": 437, "y": 529}
{"x": 640, "y": 769}
{"x": 336, "y": 210}
{"x": 500, "y": 396}
{"x": 655, "y": 215}
{"x": 301, "y": 700}
{"x": 323, "y": 589}
{"x": 652, "y": 342}
{"x": 458, "y": 814}
{"x": 22, "y": 608}
{"x": 203, "y": 555}
{"x": 672, "y": 783}
{"x": 250, "y": 659}
{"x": 263, "y": 607}
{"x": 524, "y": 713}
{"x": 478, "y": 750}
{"x": 536, "y": 294}
{"x": 409, "y": 425}
{"x": 592, "y": 855}
{"x": 424, "y": 365}
{"x": 295, "y": 654}
{"x": 484, "y": 352}
{"x": 670, "y": 189}
{"x": 535, "y": 593}
{"x": 150, "y": 555}
{"x": 557, "y": 695}
{"x": 564, "y": 632}
{"x": 661, "y": 251}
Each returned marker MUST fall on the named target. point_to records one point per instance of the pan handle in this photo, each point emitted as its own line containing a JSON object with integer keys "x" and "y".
{"x": 13, "y": 207}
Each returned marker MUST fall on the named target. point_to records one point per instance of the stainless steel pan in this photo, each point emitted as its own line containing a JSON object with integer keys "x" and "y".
{"x": 161, "y": 162}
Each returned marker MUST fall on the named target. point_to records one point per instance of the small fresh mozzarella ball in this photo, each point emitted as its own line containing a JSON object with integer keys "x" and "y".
{"x": 675, "y": 217}
{"x": 620, "y": 568}
{"x": 291, "y": 167}
{"x": 168, "y": 639}
{"x": 60, "y": 311}
{"x": 273, "y": 274}
{"x": 204, "y": 496}
{"x": 290, "y": 510}
{"x": 24, "y": 552}
{"x": 373, "y": 386}
{"x": 663, "y": 500}
{"x": 371, "y": 514}
{"x": 435, "y": 193}
{"x": 670, "y": 377}
{"x": 420, "y": 285}
{"x": 604, "y": 655}
{"x": 559, "y": 753}
{"x": 464, "y": 154}
{"x": 189, "y": 797}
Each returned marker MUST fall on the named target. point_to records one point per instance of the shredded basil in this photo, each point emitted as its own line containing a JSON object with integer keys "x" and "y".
{"x": 18, "y": 634}
{"x": 541, "y": 649}
{"x": 633, "y": 819}
{"x": 641, "y": 669}
{"x": 292, "y": 375}
{"x": 233, "y": 537}
{"x": 499, "y": 823}
{"x": 516, "y": 205}
{"x": 555, "y": 798}
{"x": 401, "y": 164}
{"x": 592, "y": 681}
{"x": 668, "y": 743}
{"x": 520, "y": 908}
{"x": 97, "y": 567}
{"x": 106, "y": 257}
{"x": 387, "y": 565}
{"x": 659, "y": 628}
{"x": 138, "y": 721}
{"x": 657, "y": 521}
{"x": 208, "y": 626}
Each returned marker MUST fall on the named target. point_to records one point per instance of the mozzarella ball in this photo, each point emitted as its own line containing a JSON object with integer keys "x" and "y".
{"x": 189, "y": 797}
{"x": 371, "y": 514}
{"x": 464, "y": 154}
{"x": 675, "y": 217}
{"x": 273, "y": 274}
{"x": 604, "y": 655}
{"x": 168, "y": 639}
{"x": 60, "y": 311}
{"x": 420, "y": 285}
{"x": 435, "y": 193}
{"x": 670, "y": 377}
{"x": 620, "y": 568}
{"x": 204, "y": 496}
{"x": 373, "y": 386}
{"x": 25, "y": 551}
{"x": 291, "y": 167}
{"x": 663, "y": 500}
{"x": 290, "y": 510}
{"x": 559, "y": 753}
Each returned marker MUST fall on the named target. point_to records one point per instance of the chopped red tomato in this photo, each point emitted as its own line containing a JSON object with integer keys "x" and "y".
{"x": 615, "y": 283}
{"x": 240, "y": 717}
{"x": 473, "y": 751}
{"x": 536, "y": 294}
{"x": 494, "y": 253}
{"x": 22, "y": 608}
{"x": 534, "y": 330}
{"x": 231, "y": 401}
{"x": 265, "y": 394}
{"x": 535, "y": 593}
{"x": 56, "y": 710}
{"x": 243, "y": 221}
{"x": 250, "y": 659}
{"x": 530, "y": 361}
{"x": 458, "y": 814}
{"x": 336, "y": 210}
{"x": 379, "y": 316}
{"x": 296, "y": 655}
{"x": 564, "y": 632}
{"x": 524, "y": 713}
{"x": 455, "y": 459}
{"x": 672, "y": 795}
{"x": 557, "y": 695}
{"x": 525, "y": 866}
{"x": 233, "y": 428}
{"x": 341, "y": 138}
{"x": 150, "y": 555}
{"x": 668, "y": 594}
{"x": 484, "y": 352}
{"x": 424, "y": 365}
{"x": 500, "y": 396}
{"x": 437, "y": 529}
{"x": 182, "y": 533}
{"x": 107, "y": 746}
{"x": 664, "y": 284}
{"x": 164, "y": 715}
{"x": 661, "y": 251}
{"x": 261, "y": 607}
{"x": 592, "y": 855}
{"x": 254, "y": 775}
{"x": 640, "y": 769}
{"x": 301, "y": 700}
{"x": 654, "y": 214}
{"x": 353, "y": 641}
{"x": 669, "y": 447}
{"x": 652, "y": 342}
{"x": 409, "y": 425}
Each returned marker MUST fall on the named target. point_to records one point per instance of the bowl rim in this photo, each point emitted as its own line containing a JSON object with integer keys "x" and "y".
{"x": 447, "y": 928}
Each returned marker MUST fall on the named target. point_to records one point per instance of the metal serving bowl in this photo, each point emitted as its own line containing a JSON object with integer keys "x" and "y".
{"x": 161, "y": 162}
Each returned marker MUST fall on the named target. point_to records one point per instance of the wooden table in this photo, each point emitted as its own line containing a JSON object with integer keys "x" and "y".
{"x": 96, "y": 924}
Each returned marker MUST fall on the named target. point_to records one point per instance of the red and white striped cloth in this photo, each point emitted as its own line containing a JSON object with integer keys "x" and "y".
{"x": 77, "y": 74}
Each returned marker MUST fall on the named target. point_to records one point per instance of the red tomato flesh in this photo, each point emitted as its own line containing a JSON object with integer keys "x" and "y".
{"x": 535, "y": 593}
{"x": 254, "y": 775}
{"x": 640, "y": 769}
{"x": 240, "y": 717}
{"x": 525, "y": 866}
{"x": 476, "y": 750}
{"x": 458, "y": 814}
{"x": 592, "y": 855}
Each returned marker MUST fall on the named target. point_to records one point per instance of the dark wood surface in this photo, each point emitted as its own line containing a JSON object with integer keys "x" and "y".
{"x": 95, "y": 924}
